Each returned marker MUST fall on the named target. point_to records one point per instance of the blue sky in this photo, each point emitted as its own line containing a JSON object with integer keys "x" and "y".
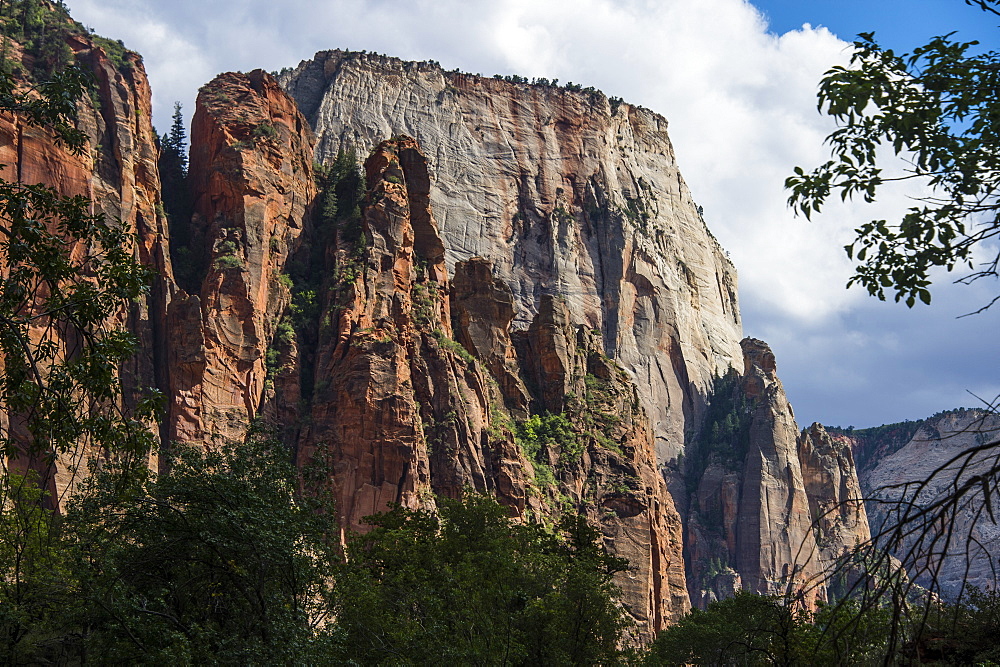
{"x": 877, "y": 333}
{"x": 737, "y": 83}
{"x": 898, "y": 24}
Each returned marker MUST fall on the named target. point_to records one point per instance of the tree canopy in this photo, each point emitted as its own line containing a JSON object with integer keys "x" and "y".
{"x": 221, "y": 559}
{"x": 936, "y": 108}
{"x": 472, "y": 586}
{"x": 67, "y": 277}
{"x": 173, "y": 164}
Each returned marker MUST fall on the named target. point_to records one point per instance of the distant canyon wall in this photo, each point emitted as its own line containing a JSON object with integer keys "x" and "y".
{"x": 894, "y": 455}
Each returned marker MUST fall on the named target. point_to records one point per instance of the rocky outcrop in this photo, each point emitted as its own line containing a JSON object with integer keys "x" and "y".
{"x": 116, "y": 170}
{"x": 567, "y": 193}
{"x": 483, "y": 309}
{"x": 895, "y": 455}
{"x": 607, "y": 470}
{"x": 400, "y": 410}
{"x": 251, "y": 173}
{"x": 771, "y": 511}
{"x": 836, "y": 501}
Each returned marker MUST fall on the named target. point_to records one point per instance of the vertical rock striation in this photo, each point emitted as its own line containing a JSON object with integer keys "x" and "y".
{"x": 116, "y": 171}
{"x": 771, "y": 510}
{"x": 251, "y": 175}
{"x": 567, "y": 193}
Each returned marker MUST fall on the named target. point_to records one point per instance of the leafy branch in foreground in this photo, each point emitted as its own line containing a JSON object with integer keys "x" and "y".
{"x": 67, "y": 279}
{"x": 936, "y": 108}
{"x": 926, "y": 523}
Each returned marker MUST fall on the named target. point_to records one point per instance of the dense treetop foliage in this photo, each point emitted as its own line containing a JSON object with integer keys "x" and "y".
{"x": 471, "y": 586}
{"x": 750, "y": 629}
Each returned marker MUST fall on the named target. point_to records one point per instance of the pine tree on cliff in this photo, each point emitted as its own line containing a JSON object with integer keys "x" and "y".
{"x": 176, "y": 195}
{"x": 173, "y": 168}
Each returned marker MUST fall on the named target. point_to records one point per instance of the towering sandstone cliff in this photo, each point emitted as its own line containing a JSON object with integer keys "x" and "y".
{"x": 771, "y": 510}
{"x": 117, "y": 171}
{"x": 525, "y": 302}
{"x": 363, "y": 372}
{"x": 566, "y": 192}
{"x": 572, "y": 195}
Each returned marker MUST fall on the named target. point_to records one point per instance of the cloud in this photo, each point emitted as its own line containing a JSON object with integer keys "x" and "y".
{"x": 740, "y": 100}
{"x": 742, "y": 111}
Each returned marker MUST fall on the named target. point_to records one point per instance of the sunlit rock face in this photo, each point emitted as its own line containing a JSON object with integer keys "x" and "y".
{"x": 117, "y": 171}
{"x": 566, "y": 193}
{"x": 893, "y": 455}
{"x": 252, "y": 186}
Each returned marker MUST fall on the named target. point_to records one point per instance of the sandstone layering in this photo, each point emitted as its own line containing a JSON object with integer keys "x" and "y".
{"x": 523, "y": 257}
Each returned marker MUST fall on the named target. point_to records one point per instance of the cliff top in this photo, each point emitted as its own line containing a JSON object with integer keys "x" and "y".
{"x": 334, "y": 57}
{"x": 37, "y": 36}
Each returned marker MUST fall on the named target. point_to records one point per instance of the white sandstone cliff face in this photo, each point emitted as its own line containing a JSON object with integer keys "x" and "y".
{"x": 975, "y": 538}
{"x": 566, "y": 193}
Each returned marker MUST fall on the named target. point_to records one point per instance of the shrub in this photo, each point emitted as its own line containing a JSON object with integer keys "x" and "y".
{"x": 225, "y": 262}
{"x": 265, "y": 131}
{"x": 540, "y": 431}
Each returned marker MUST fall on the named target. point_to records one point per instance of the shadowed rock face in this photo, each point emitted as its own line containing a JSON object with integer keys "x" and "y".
{"x": 771, "y": 510}
{"x": 566, "y": 193}
{"x": 117, "y": 171}
{"x": 835, "y": 495}
{"x": 482, "y": 312}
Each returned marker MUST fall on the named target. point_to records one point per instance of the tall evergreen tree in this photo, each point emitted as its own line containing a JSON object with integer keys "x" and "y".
{"x": 173, "y": 167}
{"x": 176, "y": 141}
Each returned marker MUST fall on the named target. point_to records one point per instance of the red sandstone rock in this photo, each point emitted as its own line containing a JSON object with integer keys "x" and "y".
{"x": 117, "y": 171}
{"x": 251, "y": 174}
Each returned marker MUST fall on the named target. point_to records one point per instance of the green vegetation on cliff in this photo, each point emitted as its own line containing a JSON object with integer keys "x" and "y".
{"x": 725, "y": 434}
{"x": 41, "y": 27}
